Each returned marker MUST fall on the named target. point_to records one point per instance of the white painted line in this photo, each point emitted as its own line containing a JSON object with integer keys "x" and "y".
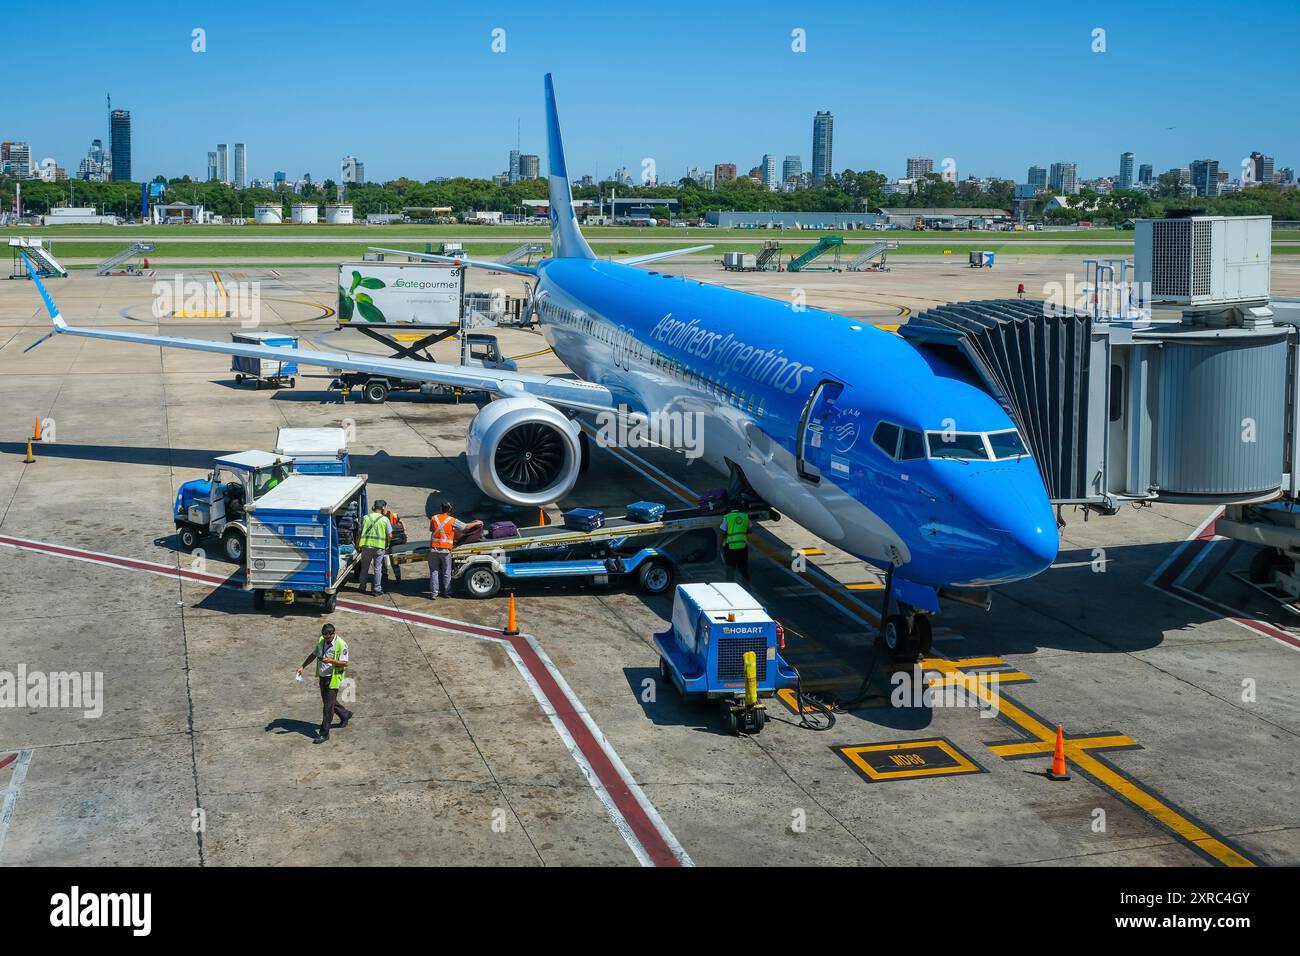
{"x": 11, "y": 794}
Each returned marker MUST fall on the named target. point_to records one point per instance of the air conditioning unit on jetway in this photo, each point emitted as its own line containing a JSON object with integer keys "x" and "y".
{"x": 1192, "y": 406}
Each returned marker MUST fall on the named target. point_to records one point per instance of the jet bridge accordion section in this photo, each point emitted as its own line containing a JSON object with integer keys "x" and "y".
{"x": 1037, "y": 366}
{"x": 1173, "y": 409}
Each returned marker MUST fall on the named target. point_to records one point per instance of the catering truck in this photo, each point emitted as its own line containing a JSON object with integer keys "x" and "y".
{"x": 301, "y": 539}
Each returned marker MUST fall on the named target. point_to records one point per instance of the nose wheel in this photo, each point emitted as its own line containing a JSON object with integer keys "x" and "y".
{"x": 907, "y": 635}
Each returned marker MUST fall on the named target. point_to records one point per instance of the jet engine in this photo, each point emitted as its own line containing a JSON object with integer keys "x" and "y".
{"x": 523, "y": 452}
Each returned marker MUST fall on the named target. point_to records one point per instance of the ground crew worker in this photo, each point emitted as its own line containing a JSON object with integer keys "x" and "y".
{"x": 1020, "y": 291}
{"x": 376, "y": 534}
{"x": 444, "y": 528}
{"x": 735, "y": 543}
{"x": 331, "y": 654}
{"x": 398, "y": 536}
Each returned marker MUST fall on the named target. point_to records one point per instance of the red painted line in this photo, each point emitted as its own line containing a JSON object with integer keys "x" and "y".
{"x": 562, "y": 703}
{"x": 6, "y": 761}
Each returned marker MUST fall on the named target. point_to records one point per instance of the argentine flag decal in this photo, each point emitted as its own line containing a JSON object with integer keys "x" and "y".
{"x": 840, "y": 465}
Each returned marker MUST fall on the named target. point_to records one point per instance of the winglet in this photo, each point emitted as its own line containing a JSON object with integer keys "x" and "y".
{"x": 59, "y": 324}
{"x": 566, "y": 239}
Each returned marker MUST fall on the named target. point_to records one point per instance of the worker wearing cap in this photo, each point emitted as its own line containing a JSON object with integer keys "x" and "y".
{"x": 443, "y": 529}
{"x": 331, "y": 655}
{"x": 376, "y": 533}
{"x": 735, "y": 543}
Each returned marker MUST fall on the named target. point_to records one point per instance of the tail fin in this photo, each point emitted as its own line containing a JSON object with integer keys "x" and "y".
{"x": 566, "y": 239}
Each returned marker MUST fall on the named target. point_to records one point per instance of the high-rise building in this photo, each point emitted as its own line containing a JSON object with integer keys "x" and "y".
{"x": 530, "y": 166}
{"x": 1261, "y": 167}
{"x": 513, "y": 174}
{"x": 768, "y": 175}
{"x": 823, "y": 134}
{"x": 16, "y": 159}
{"x": 119, "y": 124}
{"x": 1037, "y": 180}
{"x": 724, "y": 172}
{"x": 223, "y": 163}
{"x": 1126, "y": 170}
{"x": 791, "y": 168}
{"x": 1205, "y": 176}
{"x": 918, "y": 167}
{"x": 278, "y": 180}
{"x": 240, "y": 172}
{"x": 212, "y": 165}
{"x": 353, "y": 170}
{"x": 1063, "y": 179}
{"x": 1144, "y": 174}
{"x": 95, "y": 165}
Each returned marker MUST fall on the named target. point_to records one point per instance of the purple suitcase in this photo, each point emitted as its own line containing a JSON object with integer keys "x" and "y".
{"x": 502, "y": 529}
{"x": 715, "y": 499}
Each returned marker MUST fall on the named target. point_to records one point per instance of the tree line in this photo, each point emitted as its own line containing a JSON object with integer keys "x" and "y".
{"x": 847, "y": 191}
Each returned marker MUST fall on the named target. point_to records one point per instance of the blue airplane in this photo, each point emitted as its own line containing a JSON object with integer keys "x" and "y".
{"x": 874, "y": 446}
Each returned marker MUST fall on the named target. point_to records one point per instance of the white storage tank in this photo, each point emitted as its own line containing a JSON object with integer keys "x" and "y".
{"x": 338, "y": 214}
{"x": 267, "y": 214}
{"x": 306, "y": 213}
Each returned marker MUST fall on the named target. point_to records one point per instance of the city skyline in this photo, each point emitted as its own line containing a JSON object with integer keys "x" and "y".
{"x": 677, "y": 127}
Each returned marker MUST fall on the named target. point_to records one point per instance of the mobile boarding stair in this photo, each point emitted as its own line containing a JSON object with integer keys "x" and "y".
{"x": 825, "y": 244}
{"x": 524, "y": 252}
{"x": 649, "y": 552}
{"x": 40, "y": 255}
{"x": 769, "y": 257}
{"x": 123, "y": 258}
{"x": 877, "y": 250}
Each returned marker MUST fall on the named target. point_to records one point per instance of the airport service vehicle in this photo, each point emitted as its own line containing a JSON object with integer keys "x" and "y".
{"x": 217, "y": 505}
{"x": 272, "y": 371}
{"x": 650, "y": 553}
{"x": 315, "y": 451}
{"x": 479, "y": 350}
{"x": 981, "y": 260}
{"x": 294, "y": 553}
{"x": 885, "y": 448}
{"x": 722, "y": 646}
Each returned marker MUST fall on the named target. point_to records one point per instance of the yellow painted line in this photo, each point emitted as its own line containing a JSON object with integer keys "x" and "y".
{"x": 889, "y": 327}
{"x": 217, "y": 279}
{"x": 200, "y": 315}
{"x": 528, "y": 355}
{"x": 865, "y": 586}
{"x": 1082, "y": 745}
{"x": 963, "y": 765}
{"x": 811, "y": 552}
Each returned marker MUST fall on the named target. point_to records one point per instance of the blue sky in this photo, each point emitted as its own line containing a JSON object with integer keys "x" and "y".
{"x": 415, "y": 89}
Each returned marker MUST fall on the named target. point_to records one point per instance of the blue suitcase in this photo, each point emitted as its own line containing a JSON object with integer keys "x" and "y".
{"x": 584, "y": 519}
{"x": 645, "y": 511}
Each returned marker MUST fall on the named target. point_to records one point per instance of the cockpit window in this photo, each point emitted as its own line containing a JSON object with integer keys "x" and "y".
{"x": 912, "y": 446}
{"x": 964, "y": 446}
{"x": 886, "y": 438}
{"x": 1007, "y": 444}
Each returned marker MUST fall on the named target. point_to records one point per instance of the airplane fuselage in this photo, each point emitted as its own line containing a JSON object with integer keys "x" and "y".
{"x": 813, "y": 407}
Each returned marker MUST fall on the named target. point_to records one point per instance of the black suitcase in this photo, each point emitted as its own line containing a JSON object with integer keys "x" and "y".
{"x": 584, "y": 519}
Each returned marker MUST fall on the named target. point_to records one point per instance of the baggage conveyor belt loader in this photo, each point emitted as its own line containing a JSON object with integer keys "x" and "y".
{"x": 650, "y": 552}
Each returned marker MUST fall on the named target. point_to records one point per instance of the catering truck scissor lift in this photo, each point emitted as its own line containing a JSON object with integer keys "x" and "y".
{"x": 650, "y": 552}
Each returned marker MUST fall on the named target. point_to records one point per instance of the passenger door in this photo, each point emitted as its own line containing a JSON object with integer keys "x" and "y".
{"x": 812, "y": 442}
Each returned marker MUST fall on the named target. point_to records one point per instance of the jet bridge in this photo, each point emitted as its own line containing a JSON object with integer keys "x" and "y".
{"x": 1118, "y": 402}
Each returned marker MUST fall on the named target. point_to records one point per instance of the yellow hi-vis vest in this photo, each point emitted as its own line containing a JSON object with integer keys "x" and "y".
{"x": 737, "y": 529}
{"x": 372, "y": 531}
{"x": 340, "y": 648}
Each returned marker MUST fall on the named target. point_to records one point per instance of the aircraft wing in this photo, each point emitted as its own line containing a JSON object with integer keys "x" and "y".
{"x": 566, "y": 393}
{"x": 655, "y": 256}
{"x": 462, "y": 261}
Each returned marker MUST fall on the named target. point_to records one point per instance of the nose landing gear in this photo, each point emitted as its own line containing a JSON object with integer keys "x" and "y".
{"x": 906, "y": 632}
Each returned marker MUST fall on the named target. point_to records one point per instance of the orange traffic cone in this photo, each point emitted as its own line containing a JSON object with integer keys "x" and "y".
{"x": 1058, "y": 771}
{"x": 36, "y": 432}
{"x": 512, "y": 624}
{"x": 30, "y": 457}
{"x": 541, "y": 517}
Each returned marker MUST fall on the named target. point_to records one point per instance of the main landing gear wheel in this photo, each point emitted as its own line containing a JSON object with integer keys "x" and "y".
{"x": 922, "y": 634}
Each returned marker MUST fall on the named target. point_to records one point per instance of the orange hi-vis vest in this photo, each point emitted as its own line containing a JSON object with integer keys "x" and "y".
{"x": 443, "y": 528}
